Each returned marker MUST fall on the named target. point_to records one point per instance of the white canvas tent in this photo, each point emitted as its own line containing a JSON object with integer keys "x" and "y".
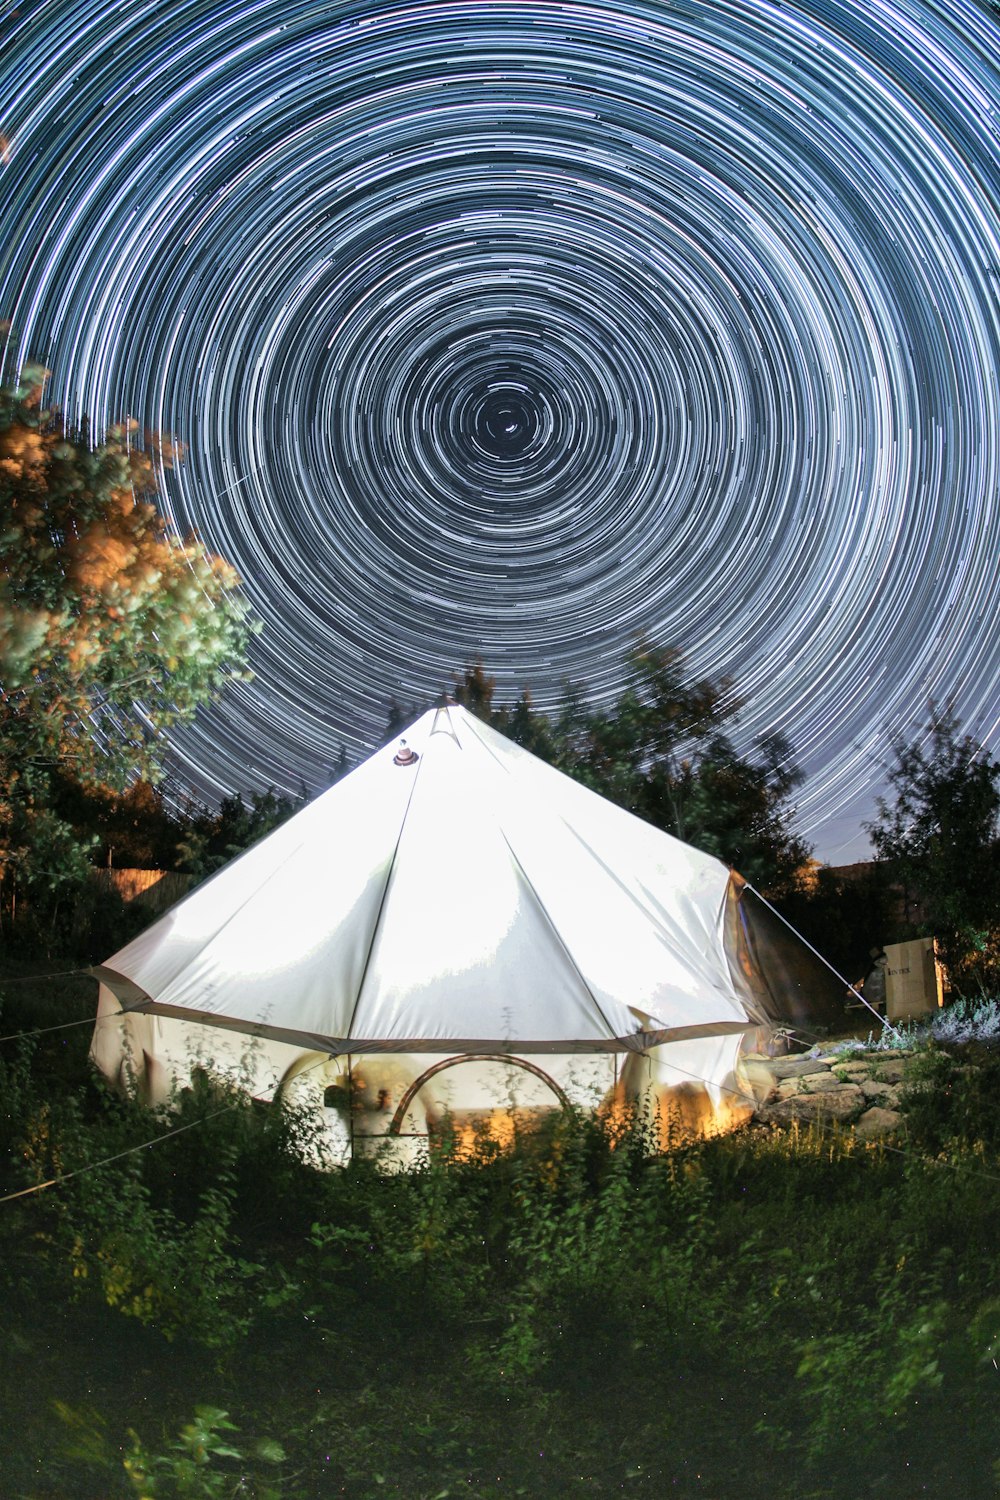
{"x": 453, "y": 898}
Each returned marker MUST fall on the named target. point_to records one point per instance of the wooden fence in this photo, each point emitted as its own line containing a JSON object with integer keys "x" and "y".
{"x": 154, "y": 890}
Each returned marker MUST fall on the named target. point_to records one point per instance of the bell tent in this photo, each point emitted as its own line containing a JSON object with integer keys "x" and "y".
{"x": 452, "y": 913}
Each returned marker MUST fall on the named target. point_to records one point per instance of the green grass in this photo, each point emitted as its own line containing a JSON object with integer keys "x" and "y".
{"x": 770, "y": 1314}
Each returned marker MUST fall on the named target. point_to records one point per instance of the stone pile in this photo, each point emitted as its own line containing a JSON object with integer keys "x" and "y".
{"x": 861, "y": 1090}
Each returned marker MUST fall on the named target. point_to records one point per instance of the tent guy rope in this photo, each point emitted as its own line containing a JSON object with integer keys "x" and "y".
{"x": 18, "y": 1036}
{"x": 92, "y": 1166}
{"x": 883, "y": 1020}
{"x": 104, "y": 1161}
{"x": 37, "y": 978}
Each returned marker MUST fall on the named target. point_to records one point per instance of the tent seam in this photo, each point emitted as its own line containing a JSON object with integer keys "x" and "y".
{"x": 376, "y": 928}
{"x": 645, "y": 907}
{"x": 204, "y": 948}
{"x": 558, "y": 935}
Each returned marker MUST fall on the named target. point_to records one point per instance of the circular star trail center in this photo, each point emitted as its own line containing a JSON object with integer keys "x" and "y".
{"x": 522, "y": 330}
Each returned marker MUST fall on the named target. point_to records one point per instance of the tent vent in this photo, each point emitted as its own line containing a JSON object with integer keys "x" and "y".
{"x": 404, "y": 756}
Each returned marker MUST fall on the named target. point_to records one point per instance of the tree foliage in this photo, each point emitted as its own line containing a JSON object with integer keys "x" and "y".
{"x": 136, "y": 829}
{"x": 938, "y": 832}
{"x": 845, "y": 916}
{"x": 211, "y": 839}
{"x": 111, "y": 629}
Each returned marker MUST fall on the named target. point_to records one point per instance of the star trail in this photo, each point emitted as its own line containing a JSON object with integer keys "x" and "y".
{"x": 518, "y": 330}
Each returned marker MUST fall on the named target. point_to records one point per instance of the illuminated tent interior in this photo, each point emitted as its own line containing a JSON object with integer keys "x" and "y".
{"x": 457, "y": 930}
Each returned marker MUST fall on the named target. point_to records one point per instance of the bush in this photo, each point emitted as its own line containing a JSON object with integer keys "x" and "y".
{"x": 576, "y": 1314}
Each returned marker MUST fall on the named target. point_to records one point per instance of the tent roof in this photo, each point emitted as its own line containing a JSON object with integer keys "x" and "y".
{"x": 471, "y": 899}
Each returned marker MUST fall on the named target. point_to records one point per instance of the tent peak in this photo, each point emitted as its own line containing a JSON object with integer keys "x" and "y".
{"x": 442, "y": 723}
{"x": 404, "y": 756}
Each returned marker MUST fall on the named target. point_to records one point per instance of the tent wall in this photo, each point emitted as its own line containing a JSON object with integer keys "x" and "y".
{"x": 463, "y": 898}
{"x": 783, "y": 982}
{"x": 692, "y": 1087}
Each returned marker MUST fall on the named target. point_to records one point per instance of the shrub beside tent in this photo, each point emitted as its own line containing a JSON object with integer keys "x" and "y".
{"x": 456, "y": 926}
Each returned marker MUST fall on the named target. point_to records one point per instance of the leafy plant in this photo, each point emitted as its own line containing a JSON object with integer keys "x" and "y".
{"x": 195, "y": 1466}
{"x": 963, "y": 1022}
{"x": 574, "y": 1312}
{"x": 864, "y": 1373}
{"x": 939, "y": 835}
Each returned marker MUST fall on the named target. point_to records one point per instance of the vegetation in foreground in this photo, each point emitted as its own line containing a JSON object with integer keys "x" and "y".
{"x": 764, "y": 1314}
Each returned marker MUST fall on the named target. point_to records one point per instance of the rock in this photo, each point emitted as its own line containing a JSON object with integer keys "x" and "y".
{"x": 876, "y": 1122}
{"x": 854, "y": 1065}
{"x": 808, "y": 1083}
{"x": 889, "y": 1069}
{"x": 872, "y": 1088}
{"x": 828, "y": 1104}
{"x": 793, "y": 1067}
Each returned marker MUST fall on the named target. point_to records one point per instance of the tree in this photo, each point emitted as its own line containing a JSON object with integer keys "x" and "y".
{"x": 739, "y": 809}
{"x": 939, "y": 836}
{"x": 844, "y": 916}
{"x": 211, "y": 840}
{"x": 475, "y": 690}
{"x": 520, "y": 722}
{"x": 523, "y": 724}
{"x": 639, "y": 751}
{"x": 111, "y": 629}
{"x": 341, "y": 766}
{"x": 136, "y": 828}
{"x": 399, "y": 716}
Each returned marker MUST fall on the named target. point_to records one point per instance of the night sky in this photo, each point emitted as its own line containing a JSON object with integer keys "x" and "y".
{"x": 520, "y": 330}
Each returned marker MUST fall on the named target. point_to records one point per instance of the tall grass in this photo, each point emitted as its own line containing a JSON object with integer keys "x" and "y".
{"x": 771, "y": 1313}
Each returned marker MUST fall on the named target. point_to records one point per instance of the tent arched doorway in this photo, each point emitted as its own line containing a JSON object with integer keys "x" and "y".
{"x": 480, "y": 1085}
